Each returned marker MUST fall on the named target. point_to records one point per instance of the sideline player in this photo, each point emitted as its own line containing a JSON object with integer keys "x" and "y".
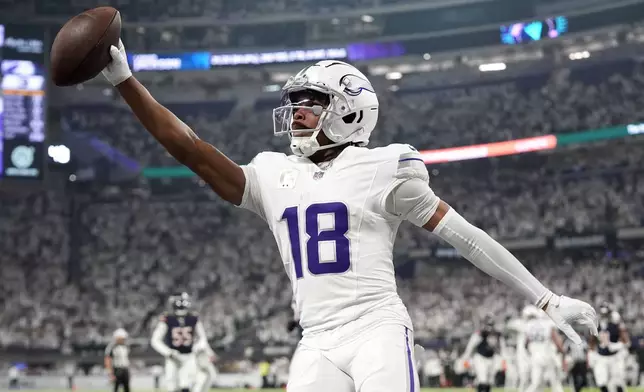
{"x": 487, "y": 342}
{"x": 175, "y": 337}
{"x": 609, "y": 365}
{"x": 334, "y": 208}
{"x": 544, "y": 343}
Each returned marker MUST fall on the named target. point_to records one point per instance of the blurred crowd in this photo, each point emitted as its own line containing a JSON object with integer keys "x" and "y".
{"x": 428, "y": 117}
{"x": 219, "y": 9}
{"x": 75, "y": 267}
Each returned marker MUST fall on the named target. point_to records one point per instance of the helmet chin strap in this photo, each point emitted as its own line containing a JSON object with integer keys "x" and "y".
{"x": 307, "y": 146}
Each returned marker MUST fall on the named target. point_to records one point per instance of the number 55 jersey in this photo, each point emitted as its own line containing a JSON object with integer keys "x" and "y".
{"x": 334, "y": 231}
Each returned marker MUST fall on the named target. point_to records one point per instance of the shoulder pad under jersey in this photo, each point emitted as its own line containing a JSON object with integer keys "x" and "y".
{"x": 410, "y": 162}
{"x": 266, "y": 158}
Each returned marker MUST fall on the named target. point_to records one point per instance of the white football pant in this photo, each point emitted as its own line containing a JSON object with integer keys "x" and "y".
{"x": 180, "y": 374}
{"x": 377, "y": 360}
{"x": 545, "y": 368}
{"x": 484, "y": 369}
{"x": 609, "y": 370}
{"x": 511, "y": 374}
{"x": 523, "y": 370}
{"x": 205, "y": 376}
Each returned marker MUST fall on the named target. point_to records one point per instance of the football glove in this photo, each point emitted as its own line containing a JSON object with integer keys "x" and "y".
{"x": 118, "y": 70}
{"x": 175, "y": 356}
{"x": 565, "y": 312}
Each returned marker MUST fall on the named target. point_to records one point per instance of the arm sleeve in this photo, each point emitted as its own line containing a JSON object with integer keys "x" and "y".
{"x": 521, "y": 343}
{"x": 252, "y": 199}
{"x": 474, "y": 340}
{"x": 108, "y": 349}
{"x": 489, "y": 256}
{"x": 202, "y": 339}
{"x": 504, "y": 347}
{"x": 157, "y": 339}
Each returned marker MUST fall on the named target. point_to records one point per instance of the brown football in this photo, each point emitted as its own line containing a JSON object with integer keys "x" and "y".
{"x": 82, "y": 46}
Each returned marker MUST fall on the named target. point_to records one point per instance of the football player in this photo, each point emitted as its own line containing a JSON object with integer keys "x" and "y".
{"x": 544, "y": 343}
{"x": 487, "y": 343}
{"x": 609, "y": 365}
{"x": 334, "y": 207}
{"x": 176, "y": 335}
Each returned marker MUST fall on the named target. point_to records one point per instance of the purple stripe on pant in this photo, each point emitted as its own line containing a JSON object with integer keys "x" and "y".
{"x": 410, "y": 363}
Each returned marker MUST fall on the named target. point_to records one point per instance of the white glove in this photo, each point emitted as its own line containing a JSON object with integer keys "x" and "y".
{"x": 616, "y": 346}
{"x": 566, "y": 311}
{"x": 175, "y": 356}
{"x": 118, "y": 70}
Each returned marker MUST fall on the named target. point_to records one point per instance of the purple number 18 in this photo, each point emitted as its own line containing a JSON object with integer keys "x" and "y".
{"x": 337, "y": 235}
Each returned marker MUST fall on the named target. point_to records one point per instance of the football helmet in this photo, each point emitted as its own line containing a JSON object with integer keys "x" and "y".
{"x": 530, "y": 312}
{"x": 120, "y": 333}
{"x": 348, "y": 113}
{"x": 180, "y": 303}
{"x": 605, "y": 311}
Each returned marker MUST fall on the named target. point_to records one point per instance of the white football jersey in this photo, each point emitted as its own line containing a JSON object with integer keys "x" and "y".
{"x": 334, "y": 236}
{"x": 518, "y": 327}
{"x": 539, "y": 336}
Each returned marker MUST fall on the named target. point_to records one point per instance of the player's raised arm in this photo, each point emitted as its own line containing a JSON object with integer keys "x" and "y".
{"x": 224, "y": 176}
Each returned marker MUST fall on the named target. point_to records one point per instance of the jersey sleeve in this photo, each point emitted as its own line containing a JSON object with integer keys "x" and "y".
{"x": 253, "y": 199}
{"x": 410, "y": 197}
{"x": 109, "y": 350}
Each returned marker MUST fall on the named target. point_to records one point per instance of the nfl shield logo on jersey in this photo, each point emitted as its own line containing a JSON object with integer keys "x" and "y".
{"x": 287, "y": 179}
{"x": 318, "y": 175}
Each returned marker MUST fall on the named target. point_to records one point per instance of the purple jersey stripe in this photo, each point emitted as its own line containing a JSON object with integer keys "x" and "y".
{"x": 410, "y": 363}
{"x": 411, "y": 159}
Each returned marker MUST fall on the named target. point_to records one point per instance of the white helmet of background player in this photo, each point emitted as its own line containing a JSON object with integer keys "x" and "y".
{"x": 120, "y": 334}
{"x": 180, "y": 303}
{"x": 530, "y": 312}
{"x": 339, "y": 94}
{"x": 608, "y": 314}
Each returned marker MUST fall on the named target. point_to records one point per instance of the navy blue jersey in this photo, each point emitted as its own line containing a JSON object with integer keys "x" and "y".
{"x": 490, "y": 343}
{"x": 181, "y": 330}
{"x": 608, "y": 333}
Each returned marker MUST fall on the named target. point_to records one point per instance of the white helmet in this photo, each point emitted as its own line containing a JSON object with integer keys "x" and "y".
{"x": 530, "y": 311}
{"x": 120, "y": 333}
{"x": 350, "y": 115}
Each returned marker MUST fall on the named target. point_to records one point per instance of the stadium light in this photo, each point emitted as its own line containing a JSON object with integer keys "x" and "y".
{"x": 272, "y": 88}
{"x": 579, "y": 55}
{"x": 60, "y": 154}
{"x": 367, "y": 18}
{"x": 492, "y": 67}
{"x": 393, "y": 76}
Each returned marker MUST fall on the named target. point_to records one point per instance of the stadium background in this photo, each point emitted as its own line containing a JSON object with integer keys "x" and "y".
{"x": 99, "y": 224}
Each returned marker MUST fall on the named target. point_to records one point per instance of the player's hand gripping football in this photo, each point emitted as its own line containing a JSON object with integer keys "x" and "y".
{"x": 566, "y": 312}
{"x": 118, "y": 70}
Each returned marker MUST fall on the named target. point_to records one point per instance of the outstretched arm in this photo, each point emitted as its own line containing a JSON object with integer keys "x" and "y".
{"x": 471, "y": 344}
{"x": 415, "y": 201}
{"x": 224, "y": 176}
